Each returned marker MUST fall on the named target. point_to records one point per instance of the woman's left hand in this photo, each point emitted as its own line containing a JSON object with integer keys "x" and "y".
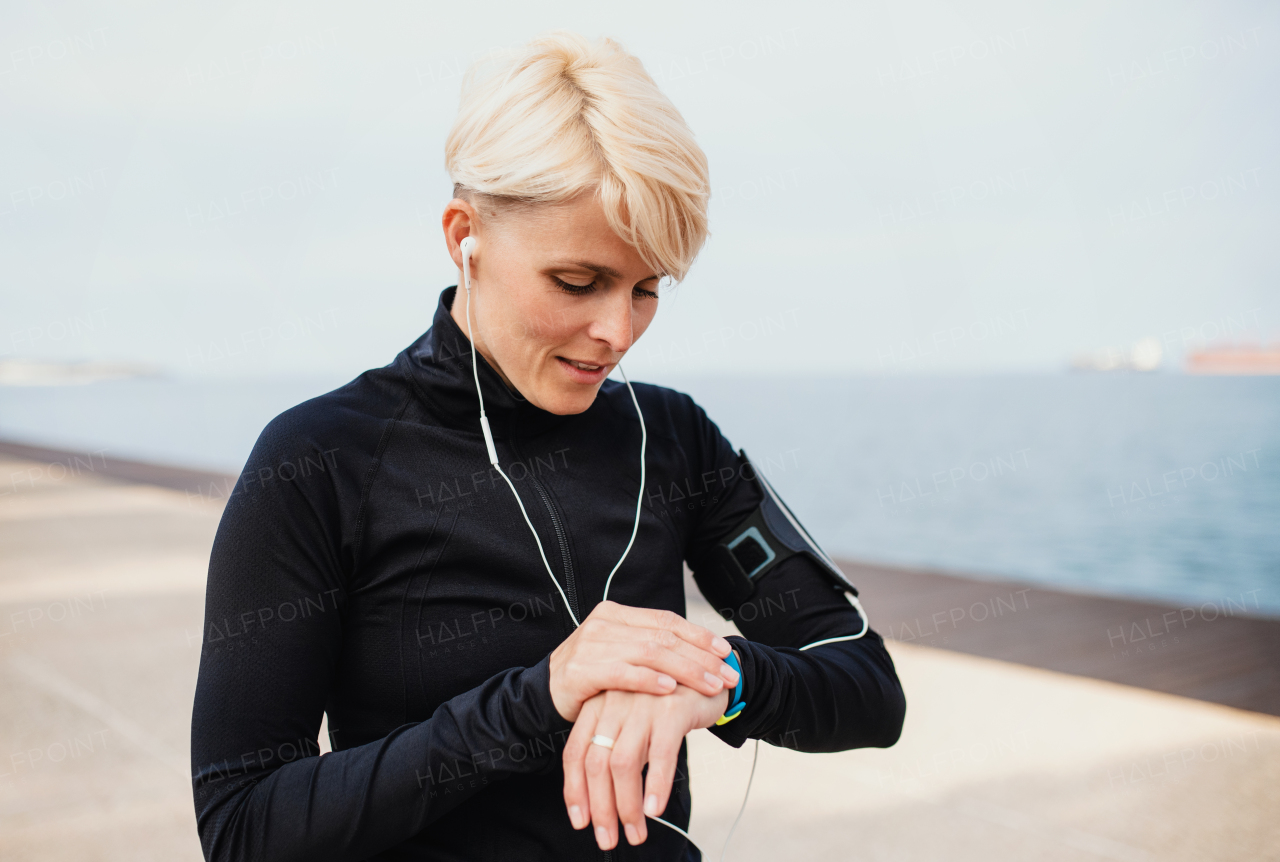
{"x": 604, "y": 786}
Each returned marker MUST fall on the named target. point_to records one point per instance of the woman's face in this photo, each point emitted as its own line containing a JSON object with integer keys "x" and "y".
{"x": 557, "y": 298}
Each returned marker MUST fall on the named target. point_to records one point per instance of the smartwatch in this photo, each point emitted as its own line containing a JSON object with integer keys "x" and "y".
{"x": 736, "y": 703}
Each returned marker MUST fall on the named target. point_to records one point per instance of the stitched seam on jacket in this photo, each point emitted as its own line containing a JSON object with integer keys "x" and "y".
{"x": 404, "y": 601}
{"x": 422, "y": 600}
{"x": 358, "y": 540}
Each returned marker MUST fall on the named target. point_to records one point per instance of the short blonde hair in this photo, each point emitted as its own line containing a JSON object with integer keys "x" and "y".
{"x": 563, "y": 116}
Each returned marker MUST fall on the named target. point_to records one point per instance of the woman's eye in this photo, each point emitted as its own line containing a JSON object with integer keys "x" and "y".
{"x": 575, "y": 289}
{"x": 641, "y": 293}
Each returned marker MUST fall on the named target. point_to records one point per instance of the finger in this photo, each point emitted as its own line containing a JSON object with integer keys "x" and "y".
{"x": 660, "y": 651}
{"x": 582, "y": 679}
{"x": 668, "y": 641}
{"x": 701, "y": 658}
{"x": 576, "y": 799}
{"x": 603, "y": 648}
{"x": 632, "y": 673}
{"x": 604, "y": 815}
{"x": 664, "y": 758}
{"x": 698, "y": 636}
{"x": 621, "y": 675}
{"x": 687, "y": 665}
{"x": 629, "y": 755}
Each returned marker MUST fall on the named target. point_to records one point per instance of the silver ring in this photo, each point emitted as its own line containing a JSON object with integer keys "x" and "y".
{"x": 602, "y": 741}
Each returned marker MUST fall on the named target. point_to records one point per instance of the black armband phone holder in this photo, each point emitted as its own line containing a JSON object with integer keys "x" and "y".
{"x": 767, "y": 537}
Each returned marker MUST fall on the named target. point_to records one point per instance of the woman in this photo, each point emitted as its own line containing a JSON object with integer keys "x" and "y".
{"x": 420, "y": 579}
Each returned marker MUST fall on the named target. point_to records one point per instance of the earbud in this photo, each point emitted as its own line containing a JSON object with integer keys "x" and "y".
{"x": 467, "y": 246}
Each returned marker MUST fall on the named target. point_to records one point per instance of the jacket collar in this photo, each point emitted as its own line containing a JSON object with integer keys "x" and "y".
{"x": 438, "y": 365}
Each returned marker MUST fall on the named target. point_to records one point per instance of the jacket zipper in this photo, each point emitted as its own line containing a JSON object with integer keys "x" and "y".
{"x": 570, "y": 585}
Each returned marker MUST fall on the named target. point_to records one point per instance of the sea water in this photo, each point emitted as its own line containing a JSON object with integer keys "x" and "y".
{"x": 1159, "y": 486}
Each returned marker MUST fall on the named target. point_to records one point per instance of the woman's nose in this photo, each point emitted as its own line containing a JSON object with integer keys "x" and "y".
{"x": 613, "y": 325}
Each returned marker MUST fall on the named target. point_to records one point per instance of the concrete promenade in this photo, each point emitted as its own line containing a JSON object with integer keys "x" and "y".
{"x": 101, "y": 593}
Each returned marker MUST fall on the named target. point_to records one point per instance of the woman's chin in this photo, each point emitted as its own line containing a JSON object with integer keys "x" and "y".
{"x": 566, "y": 401}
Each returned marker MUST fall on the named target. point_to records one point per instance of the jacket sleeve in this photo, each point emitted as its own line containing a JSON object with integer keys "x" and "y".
{"x": 831, "y": 697}
{"x": 272, "y": 636}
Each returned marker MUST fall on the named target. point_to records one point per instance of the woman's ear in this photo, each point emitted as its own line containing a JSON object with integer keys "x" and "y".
{"x": 460, "y": 220}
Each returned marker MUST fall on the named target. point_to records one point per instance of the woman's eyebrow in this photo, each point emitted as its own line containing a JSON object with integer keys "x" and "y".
{"x": 599, "y": 268}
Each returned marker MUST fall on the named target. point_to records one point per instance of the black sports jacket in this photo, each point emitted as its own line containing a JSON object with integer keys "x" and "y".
{"x": 370, "y": 565}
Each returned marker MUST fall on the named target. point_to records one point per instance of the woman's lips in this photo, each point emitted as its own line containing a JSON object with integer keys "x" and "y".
{"x": 584, "y": 372}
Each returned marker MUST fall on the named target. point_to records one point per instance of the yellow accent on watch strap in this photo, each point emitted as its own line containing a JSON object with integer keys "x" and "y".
{"x": 731, "y": 714}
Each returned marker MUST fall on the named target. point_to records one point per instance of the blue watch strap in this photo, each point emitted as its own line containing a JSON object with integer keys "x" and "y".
{"x": 732, "y": 660}
{"x": 736, "y": 704}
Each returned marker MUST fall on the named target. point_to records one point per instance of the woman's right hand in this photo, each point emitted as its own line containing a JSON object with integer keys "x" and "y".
{"x": 621, "y": 648}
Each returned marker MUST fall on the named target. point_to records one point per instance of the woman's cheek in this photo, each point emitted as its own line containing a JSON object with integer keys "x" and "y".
{"x": 643, "y": 317}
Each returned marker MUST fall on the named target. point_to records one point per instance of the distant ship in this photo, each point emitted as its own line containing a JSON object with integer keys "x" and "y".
{"x": 1235, "y": 359}
{"x": 1145, "y": 355}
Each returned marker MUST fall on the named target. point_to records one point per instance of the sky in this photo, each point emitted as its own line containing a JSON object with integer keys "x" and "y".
{"x": 255, "y": 189}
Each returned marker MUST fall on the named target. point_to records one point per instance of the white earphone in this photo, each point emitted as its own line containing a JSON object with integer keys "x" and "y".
{"x": 468, "y": 246}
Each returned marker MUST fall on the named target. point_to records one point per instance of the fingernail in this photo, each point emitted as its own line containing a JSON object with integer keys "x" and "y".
{"x": 729, "y": 674}
{"x": 665, "y": 681}
{"x": 602, "y": 837}
{"x": 651, "y": 805}
{"x": 633, "y": 837}
{"x": 576, "y": 818}
{"x": 712, "y": 679}
{"x": 721, "y": 645}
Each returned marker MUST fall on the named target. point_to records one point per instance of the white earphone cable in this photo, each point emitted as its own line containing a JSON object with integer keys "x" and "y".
{"x": 866, "y": 624}
{"x": 644, "y": 439}
{"x": 488, "y": 435}
{"x": 493, "y": 452}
